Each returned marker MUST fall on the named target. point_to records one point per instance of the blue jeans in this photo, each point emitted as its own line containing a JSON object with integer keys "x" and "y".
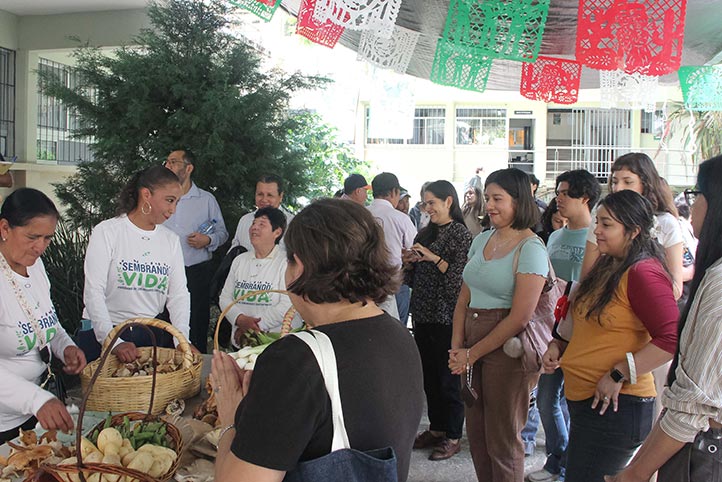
{"x": 403, "y": 297}
{"x": 602, "y": 445}
{"x": 528, "y": 433}
{"x": 555, "y": 420}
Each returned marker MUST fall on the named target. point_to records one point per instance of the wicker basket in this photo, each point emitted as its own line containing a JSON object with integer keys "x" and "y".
{"x": 83, "y": 471}
{"x": 121, "y": 394}
{"x": 285, "y": 325}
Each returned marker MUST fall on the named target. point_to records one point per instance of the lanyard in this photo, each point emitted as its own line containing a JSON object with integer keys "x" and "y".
{"x": 20, "y": 296}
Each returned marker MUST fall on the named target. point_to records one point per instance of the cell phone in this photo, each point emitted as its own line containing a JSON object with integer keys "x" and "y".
{"x": 417, "y": 253}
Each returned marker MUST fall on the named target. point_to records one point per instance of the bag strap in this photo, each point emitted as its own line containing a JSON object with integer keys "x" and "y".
{"x": 551, "y": 276}
{"x": 322, "y": 349}
{"x": 20, "y": 296}
{"x": 561, "y": 310}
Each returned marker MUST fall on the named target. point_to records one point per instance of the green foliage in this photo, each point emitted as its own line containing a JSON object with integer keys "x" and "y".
{"x": 64, "y": 264}
{"x": 189, "y": 84}
{"x": 328, "y": 162}
{"x": 702, "y": 136}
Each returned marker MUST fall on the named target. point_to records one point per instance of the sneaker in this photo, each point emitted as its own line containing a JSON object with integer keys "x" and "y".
{"x": 426, "y": 439}
{"x": 542, "y": 475}
{"x": 445, "y": 450}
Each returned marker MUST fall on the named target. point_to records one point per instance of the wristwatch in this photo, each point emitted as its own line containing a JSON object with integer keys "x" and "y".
{"x": 616, "y": 375}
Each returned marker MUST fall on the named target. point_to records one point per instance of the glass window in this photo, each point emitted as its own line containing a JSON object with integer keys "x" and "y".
{"x": 429, "y": 126}
{"x": 56, "y": 122}
{"x": 481, "y": 127}
{"x": 429, "y": 123}
{"x": 653, "y": 123}
{"x": 7, "y": 103}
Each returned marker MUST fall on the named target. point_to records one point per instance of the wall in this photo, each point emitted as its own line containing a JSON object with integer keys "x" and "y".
{"x": 47, "y": 36}
{"x": 8, "y": 30}
{"x": 114, "y": 28}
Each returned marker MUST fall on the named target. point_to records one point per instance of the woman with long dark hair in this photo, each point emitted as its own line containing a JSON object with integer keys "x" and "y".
{"x": 625, "y": 326}
{"x": 473, "y": 210}
{"x": 433, "y": 269}
{"x": 496, "y": 301}
{"x": 694, "y": 397}
{"x": 134, "y": 265}
{"x": 551, "y": 220}
{"x": 636, "y": 171}
{"x": 338, "y": 272}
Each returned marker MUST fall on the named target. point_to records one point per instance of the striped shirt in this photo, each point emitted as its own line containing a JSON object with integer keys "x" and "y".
{"x": 696, "y": 395}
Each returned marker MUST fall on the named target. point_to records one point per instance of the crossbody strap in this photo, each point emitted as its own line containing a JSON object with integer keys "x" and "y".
{"x": 322, "y": 349}
{"x": 20, "y": 296}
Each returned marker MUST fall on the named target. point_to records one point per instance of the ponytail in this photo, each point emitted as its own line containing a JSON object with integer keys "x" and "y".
{"x": 150, "y": 178}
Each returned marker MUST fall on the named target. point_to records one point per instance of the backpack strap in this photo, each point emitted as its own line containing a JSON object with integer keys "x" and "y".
{"x": 551, "y": 276}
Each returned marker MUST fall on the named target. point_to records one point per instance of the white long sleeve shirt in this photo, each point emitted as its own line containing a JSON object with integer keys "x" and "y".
{"x": 249, "y": 273}
{"x": 21, "y": 368}
{"x": 131, "y": 272}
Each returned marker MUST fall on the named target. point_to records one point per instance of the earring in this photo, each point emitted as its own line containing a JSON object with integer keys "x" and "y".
{"x": 142, "y": 208}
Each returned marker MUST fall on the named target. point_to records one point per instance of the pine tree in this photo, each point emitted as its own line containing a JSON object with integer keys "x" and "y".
{"x": 188, "y": 83}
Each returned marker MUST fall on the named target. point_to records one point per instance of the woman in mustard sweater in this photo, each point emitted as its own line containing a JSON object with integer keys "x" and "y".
{"x": 625, "y": 325}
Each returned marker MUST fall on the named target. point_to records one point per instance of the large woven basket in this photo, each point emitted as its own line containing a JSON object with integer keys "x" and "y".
{"x": 83, "y": 471}
{"x": 121, "y": 394}
{"x": 285, "y": 325}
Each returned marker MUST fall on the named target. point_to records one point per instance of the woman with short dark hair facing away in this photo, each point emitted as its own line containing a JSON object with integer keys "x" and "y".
{"x": 338, "y": 271}
{"x": 693, "y": 400}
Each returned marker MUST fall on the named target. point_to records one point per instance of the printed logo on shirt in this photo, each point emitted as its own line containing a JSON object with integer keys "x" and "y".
{"x": 143, "y": 276}
{"x": 242, "y": 287}
{"x": 27, "y": 339}
{"x": 575, "y": 254}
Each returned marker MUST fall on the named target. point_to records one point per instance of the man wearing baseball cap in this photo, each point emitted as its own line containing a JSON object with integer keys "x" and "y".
{"x": 399, "y": 231}
{"x": 355, "y": 188}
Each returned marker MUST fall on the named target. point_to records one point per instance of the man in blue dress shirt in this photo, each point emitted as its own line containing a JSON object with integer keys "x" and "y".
{"x": 194, "y": 208}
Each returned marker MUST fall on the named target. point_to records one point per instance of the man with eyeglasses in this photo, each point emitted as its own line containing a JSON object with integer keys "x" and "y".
{"x": 196, "y": 207}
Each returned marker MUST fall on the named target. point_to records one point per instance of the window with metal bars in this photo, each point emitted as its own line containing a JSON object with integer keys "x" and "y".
{"x": 653, "y": 123}
{"x": 481, "y": 127}
{"x": 587, "y": 138}
{"x": 7, "y": 102}
{"x": 56, "y": 122}
{"x": 429, "y": 123}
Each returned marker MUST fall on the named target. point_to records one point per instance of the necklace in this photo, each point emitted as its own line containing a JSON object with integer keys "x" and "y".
{"x": 498, "y": 246}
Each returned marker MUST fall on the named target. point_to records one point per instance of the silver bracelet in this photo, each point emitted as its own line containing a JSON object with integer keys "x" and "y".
{"x": 223, "y": 432}
{"x": 632, "y": 368}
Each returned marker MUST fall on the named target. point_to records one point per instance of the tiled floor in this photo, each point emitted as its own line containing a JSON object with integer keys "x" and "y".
{"x": 460, "y": 468}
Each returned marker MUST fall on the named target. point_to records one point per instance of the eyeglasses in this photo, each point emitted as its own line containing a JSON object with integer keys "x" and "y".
{"x": 174, "y": 162}
{"x": 690, "y": 196}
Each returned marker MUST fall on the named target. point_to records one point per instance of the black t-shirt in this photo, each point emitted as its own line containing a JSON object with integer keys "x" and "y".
{"x": 286, "y": 416}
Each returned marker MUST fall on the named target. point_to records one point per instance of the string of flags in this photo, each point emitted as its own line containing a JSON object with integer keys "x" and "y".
{"x": 630, "y": 42}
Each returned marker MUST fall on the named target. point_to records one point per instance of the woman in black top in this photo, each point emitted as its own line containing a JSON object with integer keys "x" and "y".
{"x": 338, "y": 270}
{"x": 433, "y": 270}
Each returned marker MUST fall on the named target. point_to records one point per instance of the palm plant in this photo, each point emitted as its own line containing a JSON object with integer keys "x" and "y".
{"x": 701, "y": 132}
{"x": 64, "y": 260}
